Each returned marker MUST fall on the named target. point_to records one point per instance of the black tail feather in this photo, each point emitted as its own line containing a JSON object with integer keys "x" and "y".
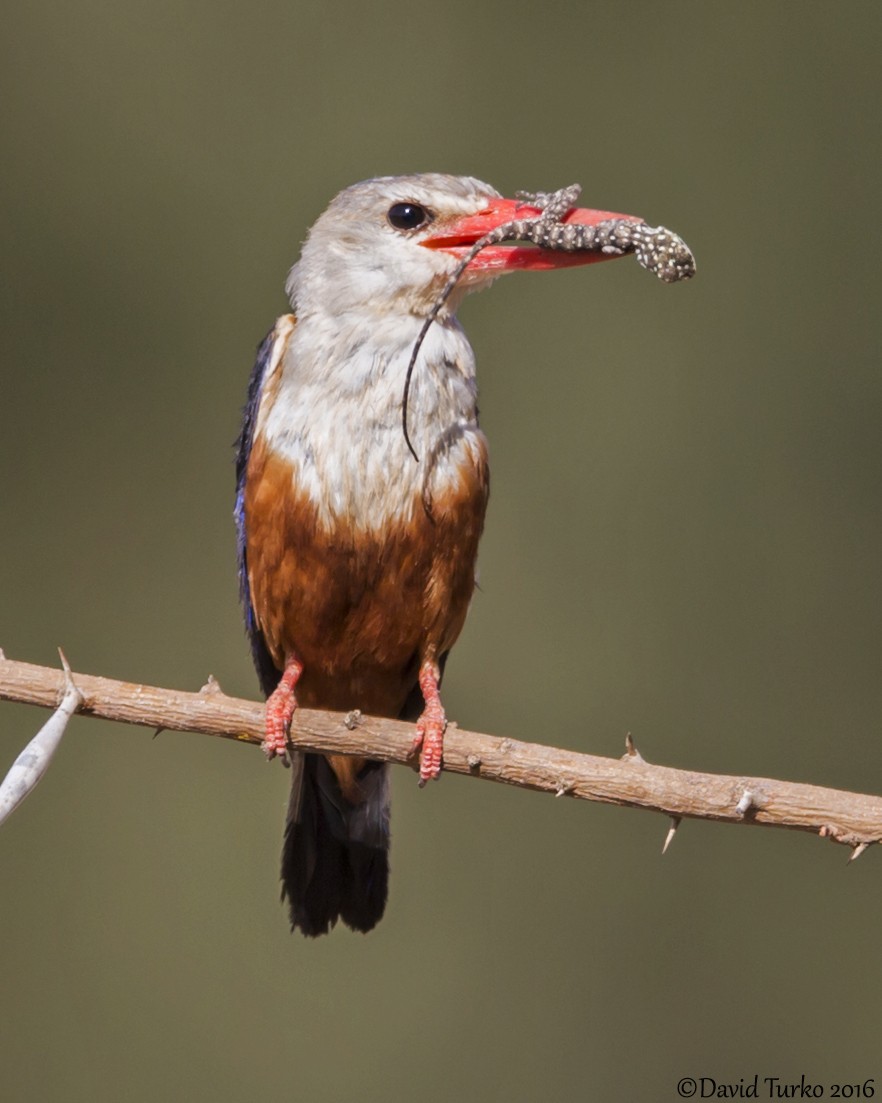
{"x": 335, "y": 856}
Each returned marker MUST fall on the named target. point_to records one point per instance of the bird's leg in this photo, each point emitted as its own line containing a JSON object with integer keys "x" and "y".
{"x": 429, "y": 738}
{"x": 280, "y": 706}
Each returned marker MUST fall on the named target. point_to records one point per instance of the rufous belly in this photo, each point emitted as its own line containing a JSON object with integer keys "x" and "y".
{"x": 360, "y": 608}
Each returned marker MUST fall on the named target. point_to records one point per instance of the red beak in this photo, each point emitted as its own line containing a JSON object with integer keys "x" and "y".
{"x": 458, "y": 235}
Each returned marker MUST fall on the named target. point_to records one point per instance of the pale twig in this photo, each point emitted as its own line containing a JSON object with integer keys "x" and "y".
{"x": 849, "y": 818}
{"x": 33, "y": 762}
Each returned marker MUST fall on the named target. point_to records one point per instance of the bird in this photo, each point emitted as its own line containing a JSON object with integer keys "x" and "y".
{"x": 357, "y": 542}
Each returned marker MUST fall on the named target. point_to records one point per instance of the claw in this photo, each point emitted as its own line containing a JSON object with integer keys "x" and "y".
{"x": 429, "y": 738}
{"x": 280, "y": 707}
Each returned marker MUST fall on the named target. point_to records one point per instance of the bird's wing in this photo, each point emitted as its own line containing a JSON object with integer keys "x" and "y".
{"x": 269, "y": 354}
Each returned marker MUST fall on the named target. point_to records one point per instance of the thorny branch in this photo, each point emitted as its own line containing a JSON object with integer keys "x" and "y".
{"x": 853, "y": 819}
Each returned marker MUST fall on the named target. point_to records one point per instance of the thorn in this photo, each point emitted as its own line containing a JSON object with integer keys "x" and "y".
{"x": 474, "y": 761}
{"x": 858, "y": 851}
{"x": 563, "y": 787}
{"x": 159, "y": 731}
{"x": 745, "y": 804}
{"x": 752, "y": 800}
{"x": 212, "y": 685}
{"x": 69, "y": 686}
{"x": 672, "y": 831}
{"x": 631, "y": 752}
{"x": 352, "y": 719}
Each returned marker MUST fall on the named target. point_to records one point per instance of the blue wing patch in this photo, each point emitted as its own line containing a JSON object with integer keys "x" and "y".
{"x": 266, "y": 669}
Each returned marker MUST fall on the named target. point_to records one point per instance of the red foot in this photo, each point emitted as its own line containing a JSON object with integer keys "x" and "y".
{"x": 280, "y": 706}
{"x": 429, "y": 738}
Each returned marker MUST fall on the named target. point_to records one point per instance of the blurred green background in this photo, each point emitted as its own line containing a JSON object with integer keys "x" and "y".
{"x": 684, "y": 542}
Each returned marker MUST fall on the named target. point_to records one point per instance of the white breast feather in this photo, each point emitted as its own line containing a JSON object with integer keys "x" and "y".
{"x": 335, "y": 416}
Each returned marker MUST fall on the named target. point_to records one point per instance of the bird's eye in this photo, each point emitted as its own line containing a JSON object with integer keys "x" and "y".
{"x": 407, "y": 216}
